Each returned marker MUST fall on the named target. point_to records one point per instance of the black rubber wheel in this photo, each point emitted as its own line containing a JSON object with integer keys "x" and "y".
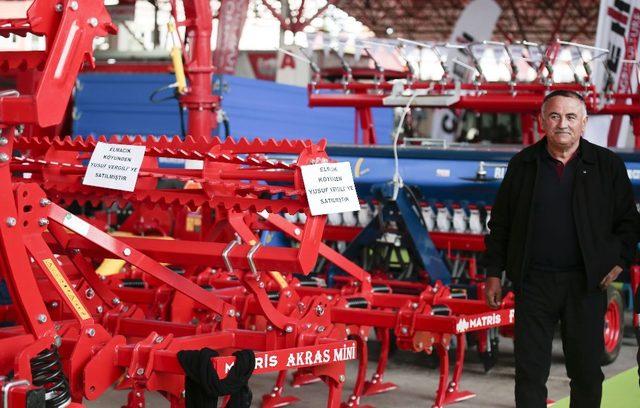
{"x": 613, "y": 326}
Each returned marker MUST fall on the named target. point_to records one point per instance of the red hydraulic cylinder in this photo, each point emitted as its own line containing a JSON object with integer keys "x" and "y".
{"x": 199, "y": 69}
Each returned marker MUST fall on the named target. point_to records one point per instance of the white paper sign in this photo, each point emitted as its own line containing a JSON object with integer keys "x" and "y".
{"x": 330, "y": 188}
{"x": 443, "y": 172}
{"x": 76, "y": 224}
{"x": 114, "y": 166}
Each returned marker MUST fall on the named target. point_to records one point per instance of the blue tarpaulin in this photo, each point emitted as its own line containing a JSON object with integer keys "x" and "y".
{"x": 117, "y": 103}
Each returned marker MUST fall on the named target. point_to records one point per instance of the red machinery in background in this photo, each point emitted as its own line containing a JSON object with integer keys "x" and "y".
{"x": 476, "y": 95}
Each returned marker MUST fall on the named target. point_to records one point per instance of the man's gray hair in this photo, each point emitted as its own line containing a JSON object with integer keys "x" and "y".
{"x": 567, "y": 94}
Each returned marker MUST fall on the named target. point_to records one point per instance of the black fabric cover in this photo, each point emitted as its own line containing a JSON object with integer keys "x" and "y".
{"x": 202, "y": 385}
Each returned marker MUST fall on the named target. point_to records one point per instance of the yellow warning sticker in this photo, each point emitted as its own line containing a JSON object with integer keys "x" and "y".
{"x": 78, "y": 225}
{"x": 277, "y": 276}
{"x": 66, "y": 289}
{"x": 193, "y": 222}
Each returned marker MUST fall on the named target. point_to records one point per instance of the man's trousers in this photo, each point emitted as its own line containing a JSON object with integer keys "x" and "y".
{"x": 546, "y": 299}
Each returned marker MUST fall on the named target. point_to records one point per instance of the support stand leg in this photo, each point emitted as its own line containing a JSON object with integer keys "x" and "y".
{"x": 275, "y": 398}
{"x": 452, "y": 393}
{"x": 354, "y": 399}
{"x": 376, "y": 386}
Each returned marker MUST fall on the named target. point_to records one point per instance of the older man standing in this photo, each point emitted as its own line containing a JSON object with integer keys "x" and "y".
{"x": 564, "y": 226}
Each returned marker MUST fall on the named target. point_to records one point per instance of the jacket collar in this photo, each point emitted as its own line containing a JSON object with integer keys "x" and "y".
{"x": 588, "y": 153}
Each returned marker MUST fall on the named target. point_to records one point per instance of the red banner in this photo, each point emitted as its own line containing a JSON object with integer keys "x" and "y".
{"x": 625, "y": 80}
{"x": 263, "y": 64}
{"x": 231, "y": 18}
{"x": 292, "y": 358}
{"x": 487, "y": 320}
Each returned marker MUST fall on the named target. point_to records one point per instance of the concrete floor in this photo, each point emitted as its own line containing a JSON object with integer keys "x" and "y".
{"x": 417, "y": 383}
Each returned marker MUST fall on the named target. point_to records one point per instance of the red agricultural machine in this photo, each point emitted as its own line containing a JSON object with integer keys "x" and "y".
{"x": 92, "y": 307}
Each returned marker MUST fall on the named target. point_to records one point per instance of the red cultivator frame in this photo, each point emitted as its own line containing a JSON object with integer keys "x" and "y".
{"x": 77, "y": 332}
{"x": 244, "y": 295}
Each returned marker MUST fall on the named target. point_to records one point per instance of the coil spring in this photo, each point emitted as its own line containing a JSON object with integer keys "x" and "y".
{"x": 132, "y": 283}
{"x": 46, "y": 370}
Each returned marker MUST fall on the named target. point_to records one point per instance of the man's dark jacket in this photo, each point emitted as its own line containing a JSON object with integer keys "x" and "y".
{"x": 604, "y": 212}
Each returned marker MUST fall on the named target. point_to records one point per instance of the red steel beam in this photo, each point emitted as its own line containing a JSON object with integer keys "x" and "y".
{"x": 193, "y": 253}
